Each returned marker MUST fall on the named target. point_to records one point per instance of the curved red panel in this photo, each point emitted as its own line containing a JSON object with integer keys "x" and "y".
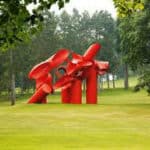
{"x": 68, "y": 85}
{"x": 74, "y": 68}
{"x": 76, "y": 58}
{"x": 63, "y": 81}
{"x": 58, "y": 58}
{"x": 101, "y": 72}
{"x": 91, "y": 51}
{"x": 39, "y": 70}
{"x": 40, "y": 94}
{"x": 44, "y": 79}
{"x": 71, "y": 67}
{"x": 102, "y": 66}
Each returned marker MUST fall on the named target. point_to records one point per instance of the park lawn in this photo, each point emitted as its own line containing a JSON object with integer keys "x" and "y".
{"x": 120, "y": 121}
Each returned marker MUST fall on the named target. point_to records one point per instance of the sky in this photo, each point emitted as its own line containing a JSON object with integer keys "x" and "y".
{"x": 90, "y": 5}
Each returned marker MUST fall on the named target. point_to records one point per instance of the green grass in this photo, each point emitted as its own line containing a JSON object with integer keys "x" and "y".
{"x": 120, "y": 121}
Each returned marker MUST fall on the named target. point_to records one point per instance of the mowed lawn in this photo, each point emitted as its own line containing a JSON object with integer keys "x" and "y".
{"x": 120, "y": 121}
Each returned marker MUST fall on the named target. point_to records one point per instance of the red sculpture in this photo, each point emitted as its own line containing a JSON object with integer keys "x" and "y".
{"x": 70, "y": 81}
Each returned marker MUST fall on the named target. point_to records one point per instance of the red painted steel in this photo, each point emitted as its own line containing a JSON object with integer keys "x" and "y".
{"x": 76, "y": 92}
{"x": 46, "y": 79}
{"x": 92, "y": 51}
{"x": 70, "y": 82}
{"x": 40, "y": 95}
{"x": 65, "y": 95}
{"x": 91, "y": 86}
{"x": 43, "y": 79}
{"x": 58, "y": 58}
{"x": 43, "y": 87}
{"x": 39, "y": 70}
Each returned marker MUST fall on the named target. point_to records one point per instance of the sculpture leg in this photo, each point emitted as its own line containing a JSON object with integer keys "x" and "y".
{"x": 44, "y": 100}
{"x": 91, "y": 86}
{"x": 76, "y": 92}
{"x": 65, "y": 95}
{"x": 40, "y": 94}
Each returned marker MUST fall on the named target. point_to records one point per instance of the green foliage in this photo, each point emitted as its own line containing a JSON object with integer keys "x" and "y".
{"x": 71, "y": 31}
{"x": 4, "y": 72}
{"x": 135, "y": 43}
{"x": 144, "y": 79}
{"x": 16, "y": 22}
{"x": 127, "y": 7}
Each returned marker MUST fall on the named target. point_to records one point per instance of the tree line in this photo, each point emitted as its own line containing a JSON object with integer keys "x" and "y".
{"x": 75, "y": 32}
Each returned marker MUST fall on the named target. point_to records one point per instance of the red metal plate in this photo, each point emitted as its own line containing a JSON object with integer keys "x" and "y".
{"x": 92, "y": 51}
{"x": 58, "y": 58}
{"x": 62, "y": 82}
{"x": 39, "y": 70}
{"x": 102, "y": 65}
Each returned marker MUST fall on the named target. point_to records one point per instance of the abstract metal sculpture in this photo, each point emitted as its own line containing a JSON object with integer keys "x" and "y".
{"x": 70, "y": 81}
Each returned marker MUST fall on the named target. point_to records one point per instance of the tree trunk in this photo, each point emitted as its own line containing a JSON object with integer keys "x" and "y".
{"x": 100, "y": 83}
{"x": 113, "y": 78}
{"x": 107, "y": 76}
{"x": 12, "y": 80}
{"x": 126, "y": 83}
{"x": 21, "y": 83}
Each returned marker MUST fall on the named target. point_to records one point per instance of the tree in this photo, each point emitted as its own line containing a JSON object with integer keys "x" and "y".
{"x": 16, "y": 20}
{"x": 127, "y": 7}
{"x": 103, "y": 29}
{"x": 4, "y": 73}
{"x": 140, "y": 55}
{"x": 17, "y": 24}
{"x": 42, "y": 46}
{"x": 134, "y": 33}
{"x": 70, "y": 30}
{"x": 125, "y": 47}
